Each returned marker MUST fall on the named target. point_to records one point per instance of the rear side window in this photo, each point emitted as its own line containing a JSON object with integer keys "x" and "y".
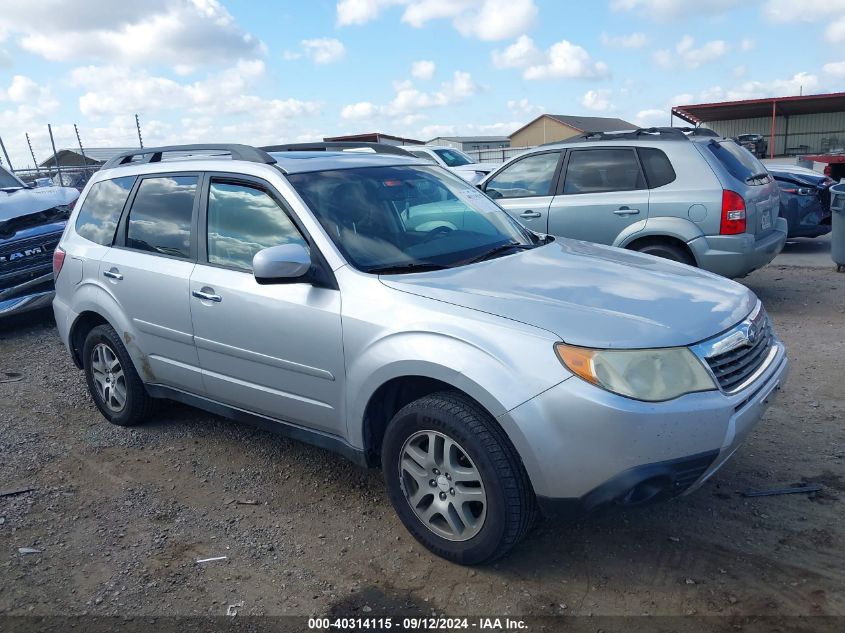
{"x": 739, "y": 162}
{"x": 601, "y": 170}
{"x": 160, "y": 217}
{"x": 657, "y": 166}
{"x": 100, "y": 212}
{"x": 242, "y": 220}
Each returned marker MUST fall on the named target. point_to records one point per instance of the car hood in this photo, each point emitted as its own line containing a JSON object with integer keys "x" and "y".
{"x": 592, "y": 295}
{"x": 18, "y": 202}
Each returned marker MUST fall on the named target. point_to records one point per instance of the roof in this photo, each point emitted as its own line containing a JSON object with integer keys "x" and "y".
{"x": 750, "y": 108}
{"x": 374, "y": 136}
{"x": 472, "y": 139}
{"x": 302, "y": 162}
{"x": 585, "y": 123}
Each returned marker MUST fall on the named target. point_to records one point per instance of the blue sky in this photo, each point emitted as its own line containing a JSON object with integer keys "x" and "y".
{"x": 285, "y": 71}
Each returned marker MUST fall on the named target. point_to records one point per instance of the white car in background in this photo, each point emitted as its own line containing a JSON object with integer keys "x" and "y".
{"x": 454, "y": 160}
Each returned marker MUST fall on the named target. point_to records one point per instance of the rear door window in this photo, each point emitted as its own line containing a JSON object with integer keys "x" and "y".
{"x": 161, "y": 216}
{"x": 601, "y": 170}
{"x": 530, "y": 176}
{"x": 739, "y": 162}
{"x": 100, "y": 212}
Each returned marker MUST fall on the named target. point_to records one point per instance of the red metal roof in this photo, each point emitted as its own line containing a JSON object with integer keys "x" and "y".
{"x": 749, "y": 108}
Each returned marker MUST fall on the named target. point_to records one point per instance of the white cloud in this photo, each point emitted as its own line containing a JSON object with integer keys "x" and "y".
{"x": 524, "y": 108}
{"x": 672, "y": 9}
{"x": 688, "y": 56}
{"x": 183, "y": 32}
{"x": 469, "y": 129}
{"x": 324, "y": 50}
{"x": 747, "y": 44}
{"x": 740, "y": 71}
{"x": 835, "y": 32}
{"x": 597, "y": 100}
{"x": 487, "y": 20}
{"x": 804, "y": 11}
{"x": 361, "y": 110}
{"x": 632, "y": 40}
{"x": 652, "y": 117}
{"x": 837, "y": 69}
{"x": 423, "y": 69}
{"x": 568, "y": 61}
{"x": 114, "y": 90}
{"x": 520, "y": 54}
{"x": 409, "y": 102}
{"x": 798, "y": 83}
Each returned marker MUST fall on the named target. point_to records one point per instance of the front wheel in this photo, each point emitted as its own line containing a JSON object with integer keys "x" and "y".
{"x": 454, "y": 479}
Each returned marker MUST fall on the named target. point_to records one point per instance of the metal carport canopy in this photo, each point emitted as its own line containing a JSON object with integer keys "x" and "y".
{"x": 751, "y": 108}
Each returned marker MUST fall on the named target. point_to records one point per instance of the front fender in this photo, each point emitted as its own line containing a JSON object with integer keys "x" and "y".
{"x": 483, "y": 375}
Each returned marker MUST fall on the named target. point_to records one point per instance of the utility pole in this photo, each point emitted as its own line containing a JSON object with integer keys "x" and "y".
{"x": 55, "y": 154}
{"x": 138, "y": 126}
{"x": 79, "y": 140}
{"x": 6, "y": 154}
{"x": 31, "y": 153}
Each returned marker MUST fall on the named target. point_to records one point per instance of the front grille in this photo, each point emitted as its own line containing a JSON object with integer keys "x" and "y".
{"x": 733, "y": 367}
{"x": 18, "y": 257}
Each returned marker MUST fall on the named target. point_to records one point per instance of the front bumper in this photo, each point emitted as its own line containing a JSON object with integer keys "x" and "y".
{"x": 584, "y": 447}
{"x": 30, "y": 295}
{"x": 737, "y": 255}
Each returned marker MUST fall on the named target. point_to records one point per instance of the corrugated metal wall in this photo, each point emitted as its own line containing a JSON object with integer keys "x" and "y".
{"x": 816, "y": 132}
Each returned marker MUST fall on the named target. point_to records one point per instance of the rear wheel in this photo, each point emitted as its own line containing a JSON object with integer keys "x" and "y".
{"x": 454, "y": 479}
{"x": 666, "y": 250}
{"x": 115, "y": 386}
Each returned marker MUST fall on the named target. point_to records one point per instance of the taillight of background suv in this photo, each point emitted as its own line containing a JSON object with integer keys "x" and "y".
{"x": 733, "y": 213}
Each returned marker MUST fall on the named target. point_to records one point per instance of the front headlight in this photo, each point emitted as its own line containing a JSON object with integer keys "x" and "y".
{"x": 652, "y": 375}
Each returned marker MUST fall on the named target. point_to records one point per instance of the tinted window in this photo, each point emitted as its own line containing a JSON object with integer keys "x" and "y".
{"x": 739, "y": 162}
{"x": 242, "y": 220}
{"x": 100, "y": 213}
{"x": 419, "y": 154}
{"x": 160, "y": 218}
{"x": 598, "y": 170}
{"x": 453, "y": 158}
{"x": 658, "y": 168}
{"x": 531, "y": 176}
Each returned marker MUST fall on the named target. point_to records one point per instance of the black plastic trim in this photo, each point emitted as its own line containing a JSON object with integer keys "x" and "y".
{"x": 679, "y": 475}
{"x": 309, "y": 436}
{"x": 155, "y": 154}
{"x": 338, "y": 146}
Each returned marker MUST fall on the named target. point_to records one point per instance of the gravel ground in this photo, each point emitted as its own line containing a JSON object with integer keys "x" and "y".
{"x": 121, "y": 515}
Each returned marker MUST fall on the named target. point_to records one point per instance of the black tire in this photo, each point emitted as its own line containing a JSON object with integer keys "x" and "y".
{"x": 137, "y": 405}
{"x": 666, "y": 250}
{"x": 510, "y": 506}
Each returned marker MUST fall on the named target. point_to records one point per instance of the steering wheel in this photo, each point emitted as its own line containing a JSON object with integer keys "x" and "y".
{"x": 436, "y": 232}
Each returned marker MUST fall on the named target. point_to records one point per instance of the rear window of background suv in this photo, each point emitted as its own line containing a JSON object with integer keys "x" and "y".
{"x": 739, "y": 162}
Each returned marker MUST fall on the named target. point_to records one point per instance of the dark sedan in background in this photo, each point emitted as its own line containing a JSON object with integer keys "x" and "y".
{"x": 804, "y": 199}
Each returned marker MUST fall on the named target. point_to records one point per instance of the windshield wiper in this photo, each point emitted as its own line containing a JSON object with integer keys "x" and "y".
{"x": 501, "y": 248}
{"x": 759, "y": 176}
{"x": 410, "y": 267}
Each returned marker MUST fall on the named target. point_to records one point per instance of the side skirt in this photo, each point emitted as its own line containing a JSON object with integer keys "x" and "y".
{"x": 287, "y": 429}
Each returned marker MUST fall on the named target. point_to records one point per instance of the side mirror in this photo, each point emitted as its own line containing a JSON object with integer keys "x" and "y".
{"x": 284, "y": 264}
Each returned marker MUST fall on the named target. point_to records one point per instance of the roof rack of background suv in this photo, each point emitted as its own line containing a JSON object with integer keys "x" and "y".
{"x": 338, "y": 146}
{"x": 655, "y": 133}
{"x": 154, "y": 154}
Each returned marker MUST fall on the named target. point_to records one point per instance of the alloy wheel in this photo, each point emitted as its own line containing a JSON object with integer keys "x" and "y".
{"x": 108, "y": 377}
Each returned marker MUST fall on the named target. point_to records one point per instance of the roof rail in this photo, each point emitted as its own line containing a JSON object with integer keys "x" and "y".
{"x": 338, "y": 146}
{"x": 655, "y": 133}
{"x": 154, "y": 154}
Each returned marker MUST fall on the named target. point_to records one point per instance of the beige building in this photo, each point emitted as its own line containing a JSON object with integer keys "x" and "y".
{"x": 548, "y": 128}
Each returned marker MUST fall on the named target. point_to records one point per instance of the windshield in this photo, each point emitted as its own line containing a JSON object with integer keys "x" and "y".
{"x": 409, "y": 217}
{"x": 8, "y": 181}
{"x": 453, "y": 157}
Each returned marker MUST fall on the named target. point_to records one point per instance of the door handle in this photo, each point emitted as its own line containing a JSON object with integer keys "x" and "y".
{"x": 530, "y": 214}
{"x": 112, "y": 274}
{"x": 207, "y": 296}
{"x": 626, "y": 211}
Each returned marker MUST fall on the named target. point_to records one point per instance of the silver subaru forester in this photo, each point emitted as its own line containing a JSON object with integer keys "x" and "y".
{"x": 381, "y": 307}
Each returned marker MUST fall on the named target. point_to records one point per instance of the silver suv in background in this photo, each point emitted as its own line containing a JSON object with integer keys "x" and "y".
{"x": 683, "y": 194}
{"x": 381, "y": 307}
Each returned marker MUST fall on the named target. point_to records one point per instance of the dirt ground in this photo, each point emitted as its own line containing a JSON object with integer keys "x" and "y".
{"x": 121, "y": 515}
